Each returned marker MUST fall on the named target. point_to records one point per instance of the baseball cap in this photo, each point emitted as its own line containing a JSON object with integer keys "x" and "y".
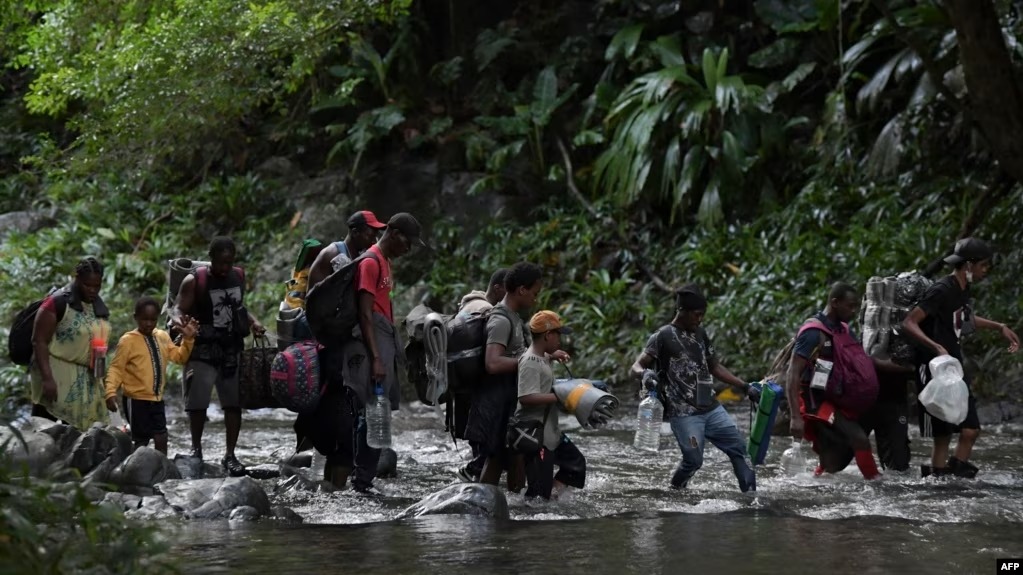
{"x": 365, "y": 218}
{"x": 405, "y": 223}
{"x": 546, "y": 320}
{"x": 970, "y": 250}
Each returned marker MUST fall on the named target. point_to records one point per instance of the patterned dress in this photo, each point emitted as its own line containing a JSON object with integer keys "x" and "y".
{"x": 80, "y": 399}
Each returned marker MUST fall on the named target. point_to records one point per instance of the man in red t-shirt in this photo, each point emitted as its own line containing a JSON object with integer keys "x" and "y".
{"x": 372, "y": 359}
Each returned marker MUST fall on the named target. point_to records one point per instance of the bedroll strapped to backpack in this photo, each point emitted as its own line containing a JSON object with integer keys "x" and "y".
{"x": 886, "y": 303}
{"x": 852, "y": 383}
{"x": 332, "y": 306}
{"x": 19, "y": 340}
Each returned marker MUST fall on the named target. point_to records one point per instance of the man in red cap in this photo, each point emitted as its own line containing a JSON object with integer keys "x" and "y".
{"x": 937, "y": 323}
{"x": 363, "y": 229}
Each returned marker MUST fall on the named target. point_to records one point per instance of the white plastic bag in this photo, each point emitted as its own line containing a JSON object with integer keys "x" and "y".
{"x": 945, "y": 396}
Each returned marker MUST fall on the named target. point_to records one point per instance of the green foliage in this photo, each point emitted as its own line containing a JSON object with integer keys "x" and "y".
{"x": 49, "y": 527}
{"x": 681, "y": 140}
{"x": 147, "y": 84}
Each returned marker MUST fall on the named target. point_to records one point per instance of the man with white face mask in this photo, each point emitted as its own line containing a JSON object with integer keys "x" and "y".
{"x": 938, "y": 322}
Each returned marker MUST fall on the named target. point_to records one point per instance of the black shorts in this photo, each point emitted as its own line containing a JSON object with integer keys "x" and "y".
{"x": 493, "y": 402}
{"x": 146, "y": 418}
{"x": 931, "y": 426}
{"x": 540, "y": 469}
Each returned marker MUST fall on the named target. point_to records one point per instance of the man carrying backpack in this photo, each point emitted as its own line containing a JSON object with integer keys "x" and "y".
{"x": 372, "y": 357}
{"x": 478, "y": 301}
{"x": 475, "y": 301}
{"x": 363, "y": 229}
{"x": 834, "y": 382}
{"x": 938, "y": 322}
{"x": 675, "y": 358}
{"x": 495, "y": 399}
{"x": 214, "y": 295}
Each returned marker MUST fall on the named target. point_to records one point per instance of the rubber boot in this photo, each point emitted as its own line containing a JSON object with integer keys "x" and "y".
{"x": 868, "y": 467}
{"x": 963, "y": 469}
{"x": 337, "y": 475}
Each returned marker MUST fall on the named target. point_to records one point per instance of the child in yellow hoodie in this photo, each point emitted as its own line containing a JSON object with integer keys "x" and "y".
{"x": 140, "y": 367}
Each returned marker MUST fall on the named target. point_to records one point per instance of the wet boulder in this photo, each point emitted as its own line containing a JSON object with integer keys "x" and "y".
{"x": 194, "y": 468}
{"x": 214, "y": 498}
{"x": 35, "y": 448}
{"x": 299, "y": 460}
{"x": 92, "y": 448}
{"x": 153, "y": 508}
{"x": 461, "y": 499}
{"x": 264, "y": 471}
{"x": 387, "y": 466}
{"x": 122, "y": 501}
{"x": 285, "y": 515}
{"x": 244, "y": 513}
{"x": 144, "y": 468}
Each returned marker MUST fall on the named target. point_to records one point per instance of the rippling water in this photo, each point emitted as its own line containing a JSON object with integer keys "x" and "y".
{"x": 626, "y": 520}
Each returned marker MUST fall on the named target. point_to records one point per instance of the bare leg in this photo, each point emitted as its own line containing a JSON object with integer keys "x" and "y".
{"x": 964, "y": 448}
{"x": 160, "y": 441}
{"x": 233, "y": 422}
{"x": 196, "y": 423}
{"x": 939, "y": 454}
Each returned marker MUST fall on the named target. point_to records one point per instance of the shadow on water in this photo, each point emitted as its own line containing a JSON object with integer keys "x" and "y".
{"x": 626, "y": 520}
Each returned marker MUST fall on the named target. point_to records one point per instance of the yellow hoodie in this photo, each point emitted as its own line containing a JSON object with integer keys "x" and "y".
{"x": 140, "y": 364}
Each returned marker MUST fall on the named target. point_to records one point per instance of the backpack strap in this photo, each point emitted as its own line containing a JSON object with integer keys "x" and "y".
{"x": 60, "y": 296}
{"x": 494, "y": 310}
{"x": 200, "y": 280}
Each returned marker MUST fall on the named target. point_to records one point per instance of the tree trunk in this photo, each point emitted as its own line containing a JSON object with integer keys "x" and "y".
{"x": 995, "y": 97}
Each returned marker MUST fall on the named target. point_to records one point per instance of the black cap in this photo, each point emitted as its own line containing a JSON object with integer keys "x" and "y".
{"x": 405, "y": 223}
{"x": 970, "y": 250}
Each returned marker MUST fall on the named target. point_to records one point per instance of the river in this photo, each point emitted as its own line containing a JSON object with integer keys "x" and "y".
{"x": 625, "y": 520}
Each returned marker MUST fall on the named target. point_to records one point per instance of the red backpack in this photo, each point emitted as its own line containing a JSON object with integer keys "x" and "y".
{"x": 853, "y": 382}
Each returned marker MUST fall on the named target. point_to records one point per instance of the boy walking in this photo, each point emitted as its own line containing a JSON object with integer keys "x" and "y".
{"x": 140, "y": 368}
{"x": 537, "y": 401}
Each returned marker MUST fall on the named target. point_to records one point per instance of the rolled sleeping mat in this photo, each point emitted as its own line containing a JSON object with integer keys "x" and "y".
{"x": 763, "y": 421}
{"x": 435, "y": 336}
{"x": 598, "y": 383}
{"x": 177, "y": 270}
{"x": 292, "y": 327}
{"x": 590, "y": 406}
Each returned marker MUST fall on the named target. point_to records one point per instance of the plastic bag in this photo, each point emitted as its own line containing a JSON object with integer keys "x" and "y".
{"x": 946, "y": 396}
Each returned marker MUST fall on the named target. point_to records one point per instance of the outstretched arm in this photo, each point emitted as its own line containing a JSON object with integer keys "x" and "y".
{"x": 1001, "y": 328}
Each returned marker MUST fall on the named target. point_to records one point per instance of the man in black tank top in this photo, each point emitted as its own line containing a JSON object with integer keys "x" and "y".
{"x": 214, "y": 296}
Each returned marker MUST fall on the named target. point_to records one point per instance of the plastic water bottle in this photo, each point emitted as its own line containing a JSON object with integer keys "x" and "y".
{"x": 792, "y": 460}
{"x": 648, "y": 432}
{"x": 378, "y": 420}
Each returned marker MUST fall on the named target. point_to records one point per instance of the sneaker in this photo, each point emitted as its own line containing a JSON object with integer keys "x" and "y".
{"x": 367, "y": 490}
{"x": 196, "y": 454}
{"x": 233, "y": 467}
{"x": 465, "y": 475}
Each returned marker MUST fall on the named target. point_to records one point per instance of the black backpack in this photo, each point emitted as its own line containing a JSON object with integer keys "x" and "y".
{"x": 332, "y": 306}
{"x": 19, "y": 342}
{"x": 467, "y": 345}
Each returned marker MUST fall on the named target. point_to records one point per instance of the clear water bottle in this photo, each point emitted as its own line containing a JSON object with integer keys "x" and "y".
{"x": 793, "y": 461}
{"x": 648, "y": 432}
{"x": 378, "y": 420}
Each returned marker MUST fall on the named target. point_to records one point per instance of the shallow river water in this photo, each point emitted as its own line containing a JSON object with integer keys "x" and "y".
{"x": 626, "y": 520}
